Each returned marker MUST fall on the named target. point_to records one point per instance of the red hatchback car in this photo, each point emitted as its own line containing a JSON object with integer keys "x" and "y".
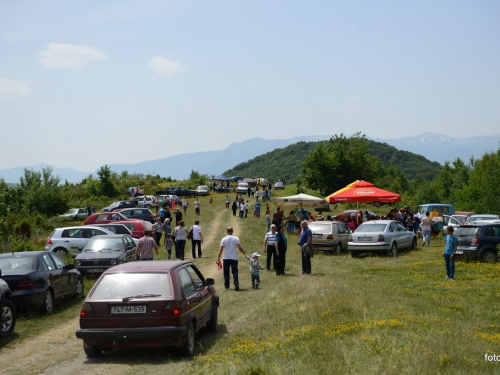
{"x": 137, "y": 227}
{"x": 148, "y": 304}
{"x": 104, "y": 218}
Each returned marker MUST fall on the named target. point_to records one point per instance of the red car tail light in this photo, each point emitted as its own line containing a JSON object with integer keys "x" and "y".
{"x": 474, "y": 241}
{"x": 26, "y": 283}
{"x": 330, "y": 237}
{"x": 171, "y": 308}
{"x": 381, "y": 238}
{"x": 49, "y": 241}
{"x": 87, "y": 311}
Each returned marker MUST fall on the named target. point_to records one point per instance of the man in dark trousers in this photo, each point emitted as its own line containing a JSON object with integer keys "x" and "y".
{"x": 270, "y": 247}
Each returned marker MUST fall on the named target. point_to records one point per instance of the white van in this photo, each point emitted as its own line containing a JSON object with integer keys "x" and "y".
{"x": 242, "y": 188}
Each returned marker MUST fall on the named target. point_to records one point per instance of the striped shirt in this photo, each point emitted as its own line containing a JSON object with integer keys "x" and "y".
{"x": 270, "y": 238}
{"x": 146, "y": 245}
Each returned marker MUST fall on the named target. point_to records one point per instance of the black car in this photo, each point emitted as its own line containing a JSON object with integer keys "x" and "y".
{"x": 479, "y": 240}
{"x": 7, "y": 309}
{"x": 138, "y": 213}
{"x": 103, "y": 252}
{"x": 119, "y": 205}
{"x": 40, "y": 278}
{"x": 180, "y": 191}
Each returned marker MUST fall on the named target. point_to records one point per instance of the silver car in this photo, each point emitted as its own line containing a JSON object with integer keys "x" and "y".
{"x": 329, "y": 235}
{"x": 68, "y": 240}
{"x": 76, "y": 214}
{"x": 381, "y": 235}
{"x": 203, "y": 190}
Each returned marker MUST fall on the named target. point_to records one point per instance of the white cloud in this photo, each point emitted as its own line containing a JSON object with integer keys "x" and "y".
{"x": 164, "y": 67}
{"x": 13, "y": 89}
{"x": 69, "y": 56}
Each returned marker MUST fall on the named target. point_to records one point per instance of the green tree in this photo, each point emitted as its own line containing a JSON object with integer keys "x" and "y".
{"x": 106, "y": 186}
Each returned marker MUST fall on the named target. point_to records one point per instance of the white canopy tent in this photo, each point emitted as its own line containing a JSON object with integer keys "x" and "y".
{"x": 298, "y": 201}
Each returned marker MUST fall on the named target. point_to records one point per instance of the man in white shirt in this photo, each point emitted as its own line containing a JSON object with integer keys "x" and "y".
{"x": 197, "y": 239}
{"x": 197, "y": 207}
{"x": 229, "y": 244}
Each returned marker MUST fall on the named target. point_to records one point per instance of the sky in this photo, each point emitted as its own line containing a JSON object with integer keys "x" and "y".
{"x": 88, "y": 83}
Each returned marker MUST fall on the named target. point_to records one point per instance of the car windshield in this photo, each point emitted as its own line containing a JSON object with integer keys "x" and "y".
{"x": 72, "y": 211}
{"x": 114, "y": 204}
{"x": 371, "y": 228}
{"x": 17, "y": 265}
{"x": 122, "y": 285}
{"x": 481, "y": 217}
{"x": 466, "y": 231}
{"x": 320, "y": 228}
{"x": 104, "y": 244}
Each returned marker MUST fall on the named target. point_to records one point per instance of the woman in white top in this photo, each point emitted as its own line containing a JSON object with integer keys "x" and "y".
{"x": 180, "y": 238}
{"x": 426, "y": 229}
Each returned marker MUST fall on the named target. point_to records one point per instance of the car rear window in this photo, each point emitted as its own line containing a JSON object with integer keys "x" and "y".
{"x": 17, "y": 265}
{"x": 371, "y": 228}
{"x": 121, "y": 285}
{"x": 104, "y": 244}
{"x": 466, "y": 231}
{"x": 320, "y": 228}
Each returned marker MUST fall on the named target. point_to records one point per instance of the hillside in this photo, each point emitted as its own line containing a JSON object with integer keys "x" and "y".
{"x": 287, "y": 162}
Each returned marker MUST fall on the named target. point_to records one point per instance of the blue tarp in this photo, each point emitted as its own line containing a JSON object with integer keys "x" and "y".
{"x": 221, "y": 178}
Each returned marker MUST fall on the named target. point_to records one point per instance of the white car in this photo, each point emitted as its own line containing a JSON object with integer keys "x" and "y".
{"x": 381, "y": 235}
{"x": 279, "y": 185}
{"x": 151, "y": 201}
{"x": 64, "y": 241}
{"x": 478, "y": 217}
{"x": 203, "y": 190}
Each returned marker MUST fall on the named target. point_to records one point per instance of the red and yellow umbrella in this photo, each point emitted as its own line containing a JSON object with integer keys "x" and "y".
{"x": 362, "y": 191}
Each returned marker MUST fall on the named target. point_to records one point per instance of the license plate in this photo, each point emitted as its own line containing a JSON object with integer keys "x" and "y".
{"x": 95, "y": 270}
{"x": 137, "y": 309}
{"x": 317, "y": 236}
{"x": 364, "y": 238}
{"x": 459, "y": 252}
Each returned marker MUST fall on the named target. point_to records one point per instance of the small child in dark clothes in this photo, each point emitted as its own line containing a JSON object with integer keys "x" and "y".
{"x": 255, "y": 269}
{"x": 168, "y": 245}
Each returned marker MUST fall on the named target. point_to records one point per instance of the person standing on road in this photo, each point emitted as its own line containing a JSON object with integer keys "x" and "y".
{"x": 197, "y": 207}
{"x": 158, "y": 230}
{"x": 270, "y": 247}
{"x": 180, "y": 233}
{"x": 305, "y": 239}
{"x": 178, "y": 216}
{"x": 185, "y": 204}
{"x": 229, "y": 244}
{"x": 227, "y": 202}
{"x": 197, "y": 239}
{"x": 234, "y": 206}
{"x": 281, "y": 247}
{"x": 450, "y": 247}
{"x": 144, "y": 249}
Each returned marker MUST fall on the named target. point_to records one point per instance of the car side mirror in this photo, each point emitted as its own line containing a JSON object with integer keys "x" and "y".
{"x": 80, "y": 248}
{"x": 210, "y": 281}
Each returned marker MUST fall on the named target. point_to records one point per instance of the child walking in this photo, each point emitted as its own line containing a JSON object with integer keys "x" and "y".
{"x": 168, "y": 245}
{"x": 451, "y": 243}
{"x": 255, "y": 269}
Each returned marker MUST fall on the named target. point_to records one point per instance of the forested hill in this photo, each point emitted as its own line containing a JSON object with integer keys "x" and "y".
{"x": 287, "y": 162}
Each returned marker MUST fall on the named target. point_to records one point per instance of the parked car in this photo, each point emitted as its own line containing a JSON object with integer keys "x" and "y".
{"x": 242, "y": 188}
{"x": 119, "y": 204}
{"x": 38, "y": 279}
{"x": 180, "y": 191}
{"x": 439, "y": 223}
{"x": 150, "y": 201}
{"x": 352, "y": 213}
{"x": 137, "y": 227}
{"x": 329, "y": 235}
{"x": 63, "y": 241}
{"x": 76, "y": 214}
{"x": 381, "y": 235}
{"x": 279, "y": 185}
{"x": 104, "y": 218}
{"x": 7, "y": 309}
{"x": 160, "y": 303}
{"x": 103, "y": 252}
{"x": 203, "y": 190}
{"x": 436, "y": 209}
{"x": 138, "y": 213}
{"x": 118, "y": 228}
{"x": 478, "y": 217}
{"x": 163, "y": 198}
{"x": 480, "y": 240}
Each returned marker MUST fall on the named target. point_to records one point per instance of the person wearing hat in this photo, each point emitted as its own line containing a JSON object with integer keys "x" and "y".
{"x": 255, "y": 269}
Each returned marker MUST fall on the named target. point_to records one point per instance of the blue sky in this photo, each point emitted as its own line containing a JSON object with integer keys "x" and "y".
{"x": 87, "y": 83}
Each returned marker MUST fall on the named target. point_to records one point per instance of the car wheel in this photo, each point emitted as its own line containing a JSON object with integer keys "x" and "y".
{"x": 8, "y": 318}
{"x": 394, "y": 250}
{"x": 48, "y": 303}
{"x": 414, "y": 244}
{"x": 92, "y": 351}
{"x": 148, "y": 206}
{"x": 214, "y": 321}
{"x": 489, "y": 256}
{"x": 61, "y": 251}
{"x": 79, "y": 289}
{"x": 187, "y": 350}
{"x": 338, "y": 248}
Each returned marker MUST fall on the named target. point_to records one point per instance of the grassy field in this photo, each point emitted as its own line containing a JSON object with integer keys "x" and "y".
{"x": 352, "y": 315}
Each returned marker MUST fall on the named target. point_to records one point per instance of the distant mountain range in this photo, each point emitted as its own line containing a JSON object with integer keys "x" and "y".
{"x": 435, "y": 147}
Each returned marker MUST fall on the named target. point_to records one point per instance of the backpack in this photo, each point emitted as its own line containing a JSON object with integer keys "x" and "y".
{"x": 190, "y": 234}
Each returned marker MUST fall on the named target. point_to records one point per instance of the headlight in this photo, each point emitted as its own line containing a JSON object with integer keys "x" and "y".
{"x": 78, "y": 262}
{"x": 113, "y": 262}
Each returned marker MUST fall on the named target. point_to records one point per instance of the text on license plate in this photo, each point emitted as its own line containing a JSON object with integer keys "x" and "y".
{"x": 95, "y": 270}
{"x": 138, "y": 309}
{"x": 317, "y": 236}
{"x": 364, "y": 238}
